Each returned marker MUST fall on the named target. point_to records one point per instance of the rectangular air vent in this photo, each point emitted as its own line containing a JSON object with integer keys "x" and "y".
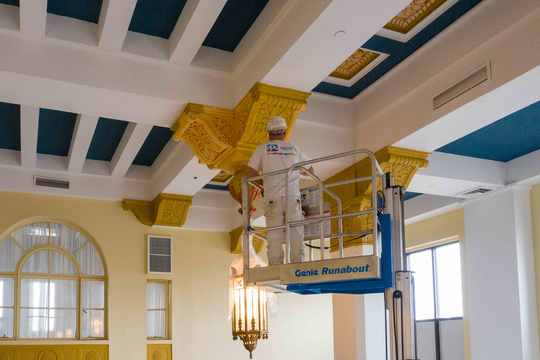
{"x": 48, "y": 182}
{"x": 159, "y": 254}
{"x": 469, "y": 82}
{"x": 477, "y": 191}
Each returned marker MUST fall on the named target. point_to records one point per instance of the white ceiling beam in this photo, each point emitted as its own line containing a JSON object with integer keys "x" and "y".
{"x": 18, "y": 179}
{"x": 195, "y": 22}
{"x": 29, "y": 135}
{"x": 398, "y": 108}
{"x": 303, "y": 47}
{"x": 79, "y": 79}
{"x": 114, "y": 22}
{"x": 426, "y": 206}
{"x": 33, "y": 17}
{"x": 177, "y": 171}
{"x": 129, "y": 147}
{"x": 80, "y": 142}
{"x": 448, "y": 175}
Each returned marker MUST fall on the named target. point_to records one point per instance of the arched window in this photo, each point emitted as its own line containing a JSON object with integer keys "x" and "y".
{"x": 52, "y": 284}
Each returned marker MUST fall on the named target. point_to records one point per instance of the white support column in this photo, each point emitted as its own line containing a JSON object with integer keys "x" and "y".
{"x": 33, "y": 15}
{"x": 80, "y": 142}
{"x": 29, "y": 135}
{"x": 114, "y": 22}
{"x": 500, "y": 276}
{"x": 359, "y": 321}
{"x": 195, "y": 22}
{"x": 129, "y": 147}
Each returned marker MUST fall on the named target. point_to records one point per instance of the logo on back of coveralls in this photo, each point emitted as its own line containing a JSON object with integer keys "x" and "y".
{"x": 272, "y": 148}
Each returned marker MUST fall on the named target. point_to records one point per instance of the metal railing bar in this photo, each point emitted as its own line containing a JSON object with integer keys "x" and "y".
{"x": 256, "y": 231}
{"x": 254, "y": 184}
{"x": 331, "y": 157}
{"x": 260, "y": 237}
{"x": 331, "y": 217}
{"x": 338, "y": 183}
{"x": 352, "y": 233}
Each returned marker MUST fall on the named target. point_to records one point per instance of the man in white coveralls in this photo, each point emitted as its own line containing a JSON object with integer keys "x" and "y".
{"x": 271, "y": 156}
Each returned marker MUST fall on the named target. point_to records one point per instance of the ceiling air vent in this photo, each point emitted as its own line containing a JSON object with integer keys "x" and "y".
{"x": 469, "y": 82}
{"x": 159, "y": 254}
{"x": 477, "y": 191}
{"x": 48, "y": 182}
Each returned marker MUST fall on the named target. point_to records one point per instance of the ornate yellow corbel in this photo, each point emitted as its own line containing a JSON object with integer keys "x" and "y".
{"x": 165, "y": 209}
{"x": 225, "y": 139}
{"x": 402, "y": 163}
{"x": 236, "y": 241}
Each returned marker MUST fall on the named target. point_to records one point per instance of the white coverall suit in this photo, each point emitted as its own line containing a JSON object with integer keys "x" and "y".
{"x": 269, "y": 157}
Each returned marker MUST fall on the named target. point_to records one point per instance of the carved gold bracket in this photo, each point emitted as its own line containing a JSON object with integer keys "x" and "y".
{"x": 165, "y": 209}
{"x": 225, "y": 139}
{"x": 236, "y": 241}
{"x": 402, "y": 163}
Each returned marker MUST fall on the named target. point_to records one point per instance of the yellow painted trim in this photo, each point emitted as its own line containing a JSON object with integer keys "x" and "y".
{"x": 399, "y": 25}
{"x": 165, "y": 209}
{"x": 236, "y": 241}
{"x": 159, "y": 352}
{"x": 354, "y": 64}
{"x": 55, "y": 352}
{"x": 401, "y": 163}
{"x": 16, "y": 242}
{"x": 225, "y": 139}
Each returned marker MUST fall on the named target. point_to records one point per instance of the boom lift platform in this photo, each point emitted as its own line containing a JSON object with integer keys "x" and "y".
{"x": 384, "y": 271}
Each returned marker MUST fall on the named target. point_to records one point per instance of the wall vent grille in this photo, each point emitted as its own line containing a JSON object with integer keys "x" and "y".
{"x": 159, "y": 254}
{"x": 477, "y": 191}
{"x": 469, "y": 82}
{"x": 54, "y": 183}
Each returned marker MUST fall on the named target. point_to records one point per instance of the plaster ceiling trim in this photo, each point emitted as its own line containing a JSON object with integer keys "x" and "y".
{"x": 404, "y": 37}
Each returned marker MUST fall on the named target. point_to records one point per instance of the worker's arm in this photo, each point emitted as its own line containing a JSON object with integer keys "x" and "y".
{"x": 311, "y": 170}
{"x": 252, "y": 173}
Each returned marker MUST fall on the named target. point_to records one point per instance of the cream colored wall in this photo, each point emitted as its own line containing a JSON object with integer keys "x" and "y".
{"x": 199, "y": 286}
{"x": 535, "y": 216}
{"x": 438, "y": 230}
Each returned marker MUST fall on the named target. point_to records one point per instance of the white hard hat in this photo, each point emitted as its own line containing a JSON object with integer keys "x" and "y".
{"x": 276, "y": 123}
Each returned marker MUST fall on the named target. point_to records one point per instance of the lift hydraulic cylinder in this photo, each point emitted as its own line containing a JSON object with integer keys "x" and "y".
{"x": 399, "y": 300}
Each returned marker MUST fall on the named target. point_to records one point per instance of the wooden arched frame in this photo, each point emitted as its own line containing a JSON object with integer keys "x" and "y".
{"x": 18, "y": 275}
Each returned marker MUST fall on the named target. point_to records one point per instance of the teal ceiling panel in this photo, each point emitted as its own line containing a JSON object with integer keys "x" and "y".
{"x": 106, "y": 138}
{"x": 410, "y": 195}
{"x": 156, "y": 18}
{"x": 233, "y": 23}
{"x": 153, "y": 145}
{"x": 55, "y": 131}
{"x": 513, "y": 136}
{"x": 10, "y": 126}
{"x": 397, "y": 51}
{"x": 10, "y": 2}
{"x": 86, "y": 10}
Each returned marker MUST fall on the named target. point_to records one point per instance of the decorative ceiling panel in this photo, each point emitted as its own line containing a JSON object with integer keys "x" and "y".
{"x": 10, "y": 126}
{"x": 86, "y": 10}
{"x": 222, "y": 177}
{"x": 106, "y": 138}
{"x": 233, "y": 23}
{"x": 354, "y": 64}
{"x": 10, "y": 2}
{"x": 156, "y": 18}
{"x": 513, "y": 136}
{"x": 412, "y": 15}
{"x": 153, "y": 145}
{"x": 397, "y": 51}
{"x": 55, "y": 131}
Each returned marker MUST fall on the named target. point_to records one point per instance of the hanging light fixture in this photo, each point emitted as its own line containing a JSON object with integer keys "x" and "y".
{"x": 250, "y": 315}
